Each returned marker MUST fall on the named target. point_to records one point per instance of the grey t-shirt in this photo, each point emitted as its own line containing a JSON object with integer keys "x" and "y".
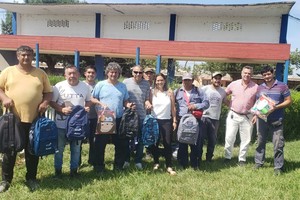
{"x": 215, "y": 96}
{"x": 138, "y": 94}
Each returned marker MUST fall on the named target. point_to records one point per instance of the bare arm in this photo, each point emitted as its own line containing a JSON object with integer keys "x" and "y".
{"x": 45, "y": 102}
{"x": 173, "y": 109}
{"x": 6, "y": 101}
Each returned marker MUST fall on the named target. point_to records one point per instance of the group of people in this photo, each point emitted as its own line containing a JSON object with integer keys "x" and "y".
{"x": 27, "y": 91}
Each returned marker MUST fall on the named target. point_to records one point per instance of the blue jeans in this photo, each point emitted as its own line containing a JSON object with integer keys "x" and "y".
{"x": 74, "y": 148}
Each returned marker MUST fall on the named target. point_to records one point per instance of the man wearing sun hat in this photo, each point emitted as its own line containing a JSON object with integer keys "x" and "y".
{"x": 216, "y": 96}
{"x": 189, "y": 98}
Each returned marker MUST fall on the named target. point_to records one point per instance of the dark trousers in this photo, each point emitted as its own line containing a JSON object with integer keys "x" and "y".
{"x": 93, "y": 125}
{"x": 275, "y": 128}
{"x": 100, "y": 143}
{"x": 210, "y": 128}
{"x": 165, "y": 132}
{"x": 9, "y": 160}
{"x": 196, "y": 151}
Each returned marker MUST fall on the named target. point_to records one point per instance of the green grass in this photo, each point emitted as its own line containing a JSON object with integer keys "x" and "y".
{"x": 214, "y": 181}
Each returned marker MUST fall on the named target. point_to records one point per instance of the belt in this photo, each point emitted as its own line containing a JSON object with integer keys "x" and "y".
{"x": 245, "y": 114}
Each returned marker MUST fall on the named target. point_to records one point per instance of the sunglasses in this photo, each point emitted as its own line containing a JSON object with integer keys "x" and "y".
{"x": 136, "y": 72}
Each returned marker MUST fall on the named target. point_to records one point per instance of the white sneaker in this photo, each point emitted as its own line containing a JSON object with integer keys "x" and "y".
{"x": 126, "y": 165}
{"x": 156, "y": 166}
{"x": 139, "y": 166}
{"x": 171, "y": 171}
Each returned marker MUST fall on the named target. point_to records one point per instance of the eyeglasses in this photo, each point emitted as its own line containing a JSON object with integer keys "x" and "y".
{"x": 136, "y": 72}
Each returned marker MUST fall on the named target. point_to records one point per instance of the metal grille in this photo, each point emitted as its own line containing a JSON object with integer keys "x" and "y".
{"x": 227, "y": 26}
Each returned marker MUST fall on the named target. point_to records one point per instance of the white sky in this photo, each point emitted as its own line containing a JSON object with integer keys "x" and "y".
{"x": 293, "y": 36}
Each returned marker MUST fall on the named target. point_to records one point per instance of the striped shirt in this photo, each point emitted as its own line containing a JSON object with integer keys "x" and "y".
{"x": 278, "y": 92}
{"x": 242, "y": 98}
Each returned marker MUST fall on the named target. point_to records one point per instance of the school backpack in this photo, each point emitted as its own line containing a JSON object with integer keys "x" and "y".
{"x": 12, "y": 137}
{"x": 43, "y": 137}
{"x": 150, "y": 131}
{"x": 188, "y": 129}
{"x": 77, "y": 124}
{"x": 129, "y": 125}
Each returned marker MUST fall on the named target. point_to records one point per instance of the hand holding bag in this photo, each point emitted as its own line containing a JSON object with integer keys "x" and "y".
{"x": 12, "y": 136}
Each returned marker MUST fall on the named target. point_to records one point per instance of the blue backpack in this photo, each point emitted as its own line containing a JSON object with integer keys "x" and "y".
{"x": 150, "y": 131}
{"x": 77, "y": 124}
{"x": 43, "y": 137}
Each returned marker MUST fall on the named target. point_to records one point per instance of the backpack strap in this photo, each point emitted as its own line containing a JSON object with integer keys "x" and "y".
{"x": 11, "y": 132}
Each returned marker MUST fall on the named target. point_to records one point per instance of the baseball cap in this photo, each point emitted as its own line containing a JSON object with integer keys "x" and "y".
{"x": 187, "y": 76}
{"x": 148, "y": 69}
{"x": 216, "y": 73}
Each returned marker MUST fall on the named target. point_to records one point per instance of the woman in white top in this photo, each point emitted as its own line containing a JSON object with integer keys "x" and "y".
{"x": 163, "y": 104}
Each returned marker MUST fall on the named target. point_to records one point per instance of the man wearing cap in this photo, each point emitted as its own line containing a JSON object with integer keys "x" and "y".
{"x": 149, "y": 75}
{"x": 216, "y": 95}
{"x": 189, "y": 98}
{"x": 242, "y": 93}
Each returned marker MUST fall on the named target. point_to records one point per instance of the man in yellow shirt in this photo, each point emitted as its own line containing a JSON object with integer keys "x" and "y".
{"x": 25, "y": 90}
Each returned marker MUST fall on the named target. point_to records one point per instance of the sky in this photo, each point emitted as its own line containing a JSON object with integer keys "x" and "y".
{"x": 293, "y": 36}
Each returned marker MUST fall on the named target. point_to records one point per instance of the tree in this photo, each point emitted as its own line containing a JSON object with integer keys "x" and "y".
{"x": 6, "y": 27}
{"x": 295, "y": 58}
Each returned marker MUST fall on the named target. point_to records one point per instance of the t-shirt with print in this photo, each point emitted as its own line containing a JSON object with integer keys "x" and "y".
{"x": 215, "y": 97}
{"x": 64, "y": 93}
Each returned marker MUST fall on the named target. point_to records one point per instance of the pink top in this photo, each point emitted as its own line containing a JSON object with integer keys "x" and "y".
{"x": 242, "y": 97}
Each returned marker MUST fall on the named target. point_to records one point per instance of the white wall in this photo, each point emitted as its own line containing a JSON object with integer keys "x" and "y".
{"x": 228, "y": 29}
{"x": 56, "y": 25}
{"x": 210, "y": 29}
{"x": 136, "y": 27}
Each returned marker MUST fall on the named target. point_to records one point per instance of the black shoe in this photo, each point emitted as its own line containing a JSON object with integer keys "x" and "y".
{"x": 278, "y": 172}
{"x": 242, "y": 163}
{"x": 32, "y": 184}
{"x": 98, "y": 169}
{"x": 4, "y": 185}
{"x": 257, "y": 166}
{"x": 73, "y": 173}
{"x": 58, "y": 174}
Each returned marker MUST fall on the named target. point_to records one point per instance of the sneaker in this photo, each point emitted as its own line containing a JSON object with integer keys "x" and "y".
{"x": 139, "y": 166}
{"x": 126, "y": 165}
{"x": 4, "y": 185}
{"x": 257, "y": 166}
{"x": 242, "y": 163}
{"x": 278, "y": 172}
{"x": 171, "y": 171}
{"x": 156, "y": 166}
{"x": 32, "y": 184}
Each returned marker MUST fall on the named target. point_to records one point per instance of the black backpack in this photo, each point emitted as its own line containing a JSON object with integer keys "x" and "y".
{"x": 129, "y": 125}
{"x": 12, "y": 137}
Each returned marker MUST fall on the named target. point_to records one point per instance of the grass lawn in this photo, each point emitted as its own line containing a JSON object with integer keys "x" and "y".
{"x": 214, "y": 181}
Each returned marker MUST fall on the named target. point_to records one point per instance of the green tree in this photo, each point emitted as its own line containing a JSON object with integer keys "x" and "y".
{"x": 6, "y": 27}
{"x": 295, "y": 58}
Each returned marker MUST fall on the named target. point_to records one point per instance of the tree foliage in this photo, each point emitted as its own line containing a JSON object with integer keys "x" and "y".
{"x": 6, "y": 27}
{"x": 295, "y": 58}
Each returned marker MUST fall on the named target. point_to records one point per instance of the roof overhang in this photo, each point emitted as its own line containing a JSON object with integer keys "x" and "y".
{"x": 179, "y": 50}
{"x": 261, "y": 9}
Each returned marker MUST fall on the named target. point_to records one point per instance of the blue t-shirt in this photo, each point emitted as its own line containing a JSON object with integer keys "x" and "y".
{"x": 111, "y": 95}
